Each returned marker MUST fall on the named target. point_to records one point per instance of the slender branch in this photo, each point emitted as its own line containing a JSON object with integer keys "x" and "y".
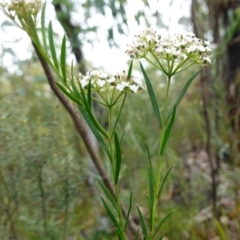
{"x": 82, "y": 130}
{"x": 208, "y": 147}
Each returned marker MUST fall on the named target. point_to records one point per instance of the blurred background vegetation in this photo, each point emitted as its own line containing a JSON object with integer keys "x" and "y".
{"x": 47, "y": 186}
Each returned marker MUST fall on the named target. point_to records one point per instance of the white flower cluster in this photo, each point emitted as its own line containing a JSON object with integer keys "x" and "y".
{"x": 146, "y": 40}
{"x": 106, "y": 82}
{"x": 21, "y": 8}
{"x": 179, "y": 47}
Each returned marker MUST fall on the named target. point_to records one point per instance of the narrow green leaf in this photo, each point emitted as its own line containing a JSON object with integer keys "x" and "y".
{"x": 114, "y": 220}
{"x": 151, "y": 185}
{"x": 150, "y": 212}
{"x": 76, "y": 91}
{"x": 161, "y": 238}
{"x": 129, "y": 210}
{"x": 88, "y": 109}
{"x": 110, "y": 214}
{"x": 120, "y": 234}
{"x": 89, "y": 95}
{"x": 118, "y": 157}
{"x": 68, "y": 94}
{"x": 52, "y": 46}
{"x": 149, "y": 155}
{"x": 63, "y": 60}
{"x": 152, "y": 96}
{"x": 136, "y": 236}
{"x": 120, "y": 111}
{"x": 85, "y": 102}
{"x": 72, "y": 75}
{"x": 186, "y": 86}
{"x": 122, "y": 137}
{"x": 107, "y": 194}
{"x": 164, "y": 180}
{"x": 220, "y": 229}
{"x": 43, "y": 27}
{"x": 163, "y": 221}
{"x": 31, "y": 24}
{"x": 130, "y": 70}
{"x": 143, "y": 224}
{"x": 94, "y": 130}
{"x": 168, "y": 131}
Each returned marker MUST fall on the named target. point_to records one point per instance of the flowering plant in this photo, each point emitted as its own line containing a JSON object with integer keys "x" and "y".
{"x": 170, "y": 55}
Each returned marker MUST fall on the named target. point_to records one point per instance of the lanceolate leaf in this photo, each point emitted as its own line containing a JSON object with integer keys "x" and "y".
{"x": 151, "y": 185}
{"x": 161, "y": 238}
{"x": 186, "y": 86}
{"x": 129, "y": 210}
{"x": 63, "y": 60}
{"x": 164, "y": 180}
{"x": 150, "y": 213}
{"x": 130, "y": 70}
{"x": 163, "y": 221}
{"x": 168, "y": 131}
{"x": 136, "y": 236}
{"x": 149, "y": 156}
{"x": 110, "y": 214}
{"x": 75, "y": 90}
{"x": 119, "y": 112}
{"x": 52, "y": 46}
{"x": 94, "y": 130}
{"x": 114, "y": 220}
{"x": 107, "y": 194}
{"x": 150, "y": 175}
{"x": 120, "y": 234}
{"x": 118, "y": 157}
{"x": 143, "y": 224}
{"x": 71, "y": 96}
{"x": 94, "y": 121}
{"x": 152, "y": 97}
{"x": 89, "y": 95}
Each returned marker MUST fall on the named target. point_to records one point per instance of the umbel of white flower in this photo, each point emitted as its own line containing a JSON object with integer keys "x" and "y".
{"x": 21, "y": 8}
{"x": 104, "y": 82}
{"x": 176, "y": 49}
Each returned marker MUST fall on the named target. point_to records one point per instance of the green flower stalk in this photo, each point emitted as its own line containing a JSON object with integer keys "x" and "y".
{"x": 171, "y": 55}
{"x": 109, "y": 90}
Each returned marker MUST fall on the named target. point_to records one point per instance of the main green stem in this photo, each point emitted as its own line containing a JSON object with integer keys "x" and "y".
{"x": 116, "y": 186}
{"x": 159, "y": 163}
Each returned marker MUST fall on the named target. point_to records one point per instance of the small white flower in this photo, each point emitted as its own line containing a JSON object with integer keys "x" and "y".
{"x": 111, "y": 79}
{"x": 201, "y": 48}
{"x": 191, "y": 49}
{"x": 207, "y": 59}
{"x": 121, "y": 86}
{"x": 101, "y": 83}
{"x": 146, "y": 41}
{"x": 134, "y": 88}
{"x": 84, "y": 82}
{"x": 138, "y": 81}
